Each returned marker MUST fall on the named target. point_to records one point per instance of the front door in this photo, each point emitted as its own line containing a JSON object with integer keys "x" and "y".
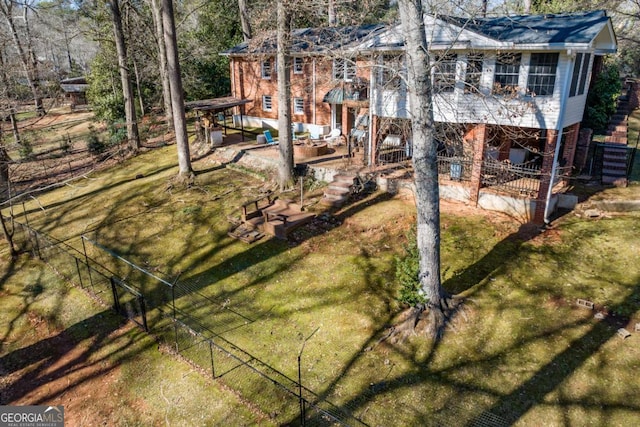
{"x": 336, "y": 116}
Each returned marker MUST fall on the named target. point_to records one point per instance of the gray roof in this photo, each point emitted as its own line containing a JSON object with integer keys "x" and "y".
{"x": 310, "y": 40}
{"x": 566, "y": 28}
{"x": 579, "y": 27}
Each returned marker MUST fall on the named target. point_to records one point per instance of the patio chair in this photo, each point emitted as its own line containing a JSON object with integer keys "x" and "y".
{"x": 269, "y": 137}
{"x": 334, "y": 137}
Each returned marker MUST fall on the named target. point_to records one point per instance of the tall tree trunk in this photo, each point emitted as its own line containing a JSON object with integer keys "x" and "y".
{"x": 425, "y": 166}
{"x": 127, "y": 89}
{"x": 156, "y": 8}
{"x": 27, "y": 58}
{"x": 177, "y": 95}
{"x": 332, "y": 18}
{"x": 285, "y": 143}
{"x": 138, "y": 89}
{"x": 4, "y": 79}
{"x": 244, "y": 20}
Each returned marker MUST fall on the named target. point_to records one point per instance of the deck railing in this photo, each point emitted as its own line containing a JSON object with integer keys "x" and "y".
{"x": 456, "y": 168}
{"x": 519, "y": 179}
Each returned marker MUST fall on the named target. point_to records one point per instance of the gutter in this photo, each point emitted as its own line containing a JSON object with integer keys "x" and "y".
{"x": 559, "y": 128}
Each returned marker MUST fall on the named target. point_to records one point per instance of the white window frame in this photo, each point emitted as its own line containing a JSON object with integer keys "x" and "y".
{"x": 298, "y": 105}
{"x": 266, "y": 69}
{"x": 506, "y": 76}
{"x": 543, "y": 68}
{"x": 298, "y": 65}
{"x": 344, "y": 69}
{"x": 267, "y": 103}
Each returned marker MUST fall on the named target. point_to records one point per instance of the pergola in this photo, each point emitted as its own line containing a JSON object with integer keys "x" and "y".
{"x": 211, "y": 108}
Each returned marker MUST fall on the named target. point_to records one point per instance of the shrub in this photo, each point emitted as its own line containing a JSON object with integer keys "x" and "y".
{"x": 94, "y": 143}
{"x": 407, "y": 273}
{"x": 601, "y": 102}
{"x": 26, "y": 149}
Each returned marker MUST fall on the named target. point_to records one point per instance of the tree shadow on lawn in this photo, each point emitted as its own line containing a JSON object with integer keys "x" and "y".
{"x": 507, "y": 408}
{"x": 261, "y": 252}
{"x": 55, "y": 360}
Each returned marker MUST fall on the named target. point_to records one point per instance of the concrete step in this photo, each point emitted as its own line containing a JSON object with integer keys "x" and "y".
{"x": 345, "y": 177}
{"x": 610, "y": 164}
{"x": 337, "y": 191}
{"x": 327, "y": 201}
{"x": 614, "y": 172}
{"x": 618, "y": 128}
{"x": 615, "y": 180}
{"x": 617, "y": 133}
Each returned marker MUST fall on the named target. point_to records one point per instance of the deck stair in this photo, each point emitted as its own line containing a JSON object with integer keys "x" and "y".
{"x": 340, "y": 189}
{"x": 614, "y": 159}
{"x": 267, "y": 215}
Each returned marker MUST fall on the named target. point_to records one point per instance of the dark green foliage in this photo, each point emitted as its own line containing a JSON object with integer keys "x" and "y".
{"x": 601, "y": 102}
{"x": 407, "y": 273}
{"x": 117, "y": 132}
{"x": 105, "y": 93}
{"x": 94, "y": 143}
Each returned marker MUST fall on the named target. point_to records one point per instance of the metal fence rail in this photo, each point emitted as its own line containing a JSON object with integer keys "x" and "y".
{"x": 150, "y": 301}
{"x": 456, "y": 168}
{"x": 519, "y": 179}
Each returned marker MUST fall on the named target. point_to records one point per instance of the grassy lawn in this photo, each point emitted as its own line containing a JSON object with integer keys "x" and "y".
{"x": 521, "y": 350}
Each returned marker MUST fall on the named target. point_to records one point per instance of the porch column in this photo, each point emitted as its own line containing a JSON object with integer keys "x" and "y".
{"x": 571, "y": 144}
{"x": 373, "y": 135}
{"x": 545, "y": 175}
{"x": 478, "y": 139}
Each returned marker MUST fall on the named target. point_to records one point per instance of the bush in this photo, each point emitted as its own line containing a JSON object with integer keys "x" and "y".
{"x": 602, "y": 99}
{"x": 407, "y": 273}
{"x": 26, "y": 149}
{"x": 94, "y": 144}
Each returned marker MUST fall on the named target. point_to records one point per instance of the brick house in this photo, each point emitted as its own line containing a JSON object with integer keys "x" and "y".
{"x": 509, "y": 94}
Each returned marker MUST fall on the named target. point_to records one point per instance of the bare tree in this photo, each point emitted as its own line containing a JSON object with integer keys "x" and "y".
{"x": 25, "y": 49}
{"x": 285, "y": 143}
{"x": 244, "y": 20}
{"x": 127, "y": 90}
{"x": 156, "y": 9}
{"x": 177, "y": 95}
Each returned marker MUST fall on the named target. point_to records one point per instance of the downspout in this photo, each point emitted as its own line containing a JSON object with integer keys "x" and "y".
{"x": 559, "y": 128}
{"x": 371, "y": 104}
{"x": 313, "y": 84}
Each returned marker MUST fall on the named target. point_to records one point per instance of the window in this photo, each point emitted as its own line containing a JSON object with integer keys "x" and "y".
{"x": 507, "y": 72}
{"x": 298, "y": 66}
{"x": 576, "y": 75}
{"x": 584, "y": 72}
{"x": 391, "y": 71}
{"x": 580, "y": 73}
{"x": 542, "y": 74}
{"x": 344, "y": 69}
{"x": 266, "y": 69}
{"x": 298, "y": 106}
{"x": 444, "y": 73}
{"x": 474, "y": 73}
{"x": 266, "y": 103}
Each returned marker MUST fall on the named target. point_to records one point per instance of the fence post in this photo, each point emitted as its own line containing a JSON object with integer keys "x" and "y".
{"x": 86, "y": 260}
{"x": 213, "y": 371}
{"x": 79, "y": 274}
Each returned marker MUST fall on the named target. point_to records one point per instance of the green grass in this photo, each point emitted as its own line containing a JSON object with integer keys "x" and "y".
{"x": 525, "y": 352}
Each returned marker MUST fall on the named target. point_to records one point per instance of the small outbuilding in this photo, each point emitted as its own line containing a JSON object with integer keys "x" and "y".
{"x": 75, "y": 90}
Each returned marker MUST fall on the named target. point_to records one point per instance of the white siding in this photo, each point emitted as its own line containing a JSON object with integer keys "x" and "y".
{"x": 535, "y": 112}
